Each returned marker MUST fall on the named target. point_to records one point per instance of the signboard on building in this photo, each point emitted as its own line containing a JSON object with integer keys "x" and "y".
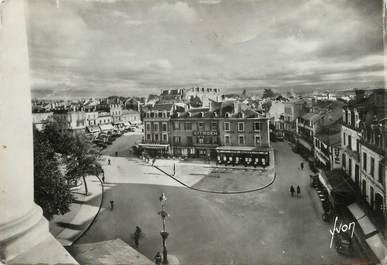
{"x": 205, "y": 133}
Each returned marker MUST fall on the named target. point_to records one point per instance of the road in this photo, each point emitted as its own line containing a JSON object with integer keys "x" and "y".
{"x": 266, "y": 227}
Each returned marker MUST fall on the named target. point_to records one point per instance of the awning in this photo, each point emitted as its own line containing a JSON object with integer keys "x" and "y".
{"x": 93, "y": 129}
{"x": 243, "y": 149}
{"x": 325, "y": 182}
{"x": 356, "y": 211}
{"x": 305, "y": 144}
{"x": 106, "y": 127}
{"x": 366, "y": 225}
{"x": 154, "y": 146}
{"x": 376, "y": 244}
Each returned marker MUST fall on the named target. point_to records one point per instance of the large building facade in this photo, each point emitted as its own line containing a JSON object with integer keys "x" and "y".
{"x": 227, "y": 134}
{"x": 364, "y": 141}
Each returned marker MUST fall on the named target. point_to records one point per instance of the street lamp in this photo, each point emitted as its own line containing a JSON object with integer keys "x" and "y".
{"x": 164, "y": 234}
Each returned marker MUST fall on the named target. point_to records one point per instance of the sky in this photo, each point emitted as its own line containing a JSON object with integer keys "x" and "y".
{"x": 81, "y": 48}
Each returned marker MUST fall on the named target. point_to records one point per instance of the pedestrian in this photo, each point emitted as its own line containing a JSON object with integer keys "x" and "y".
{"x": 158, "y": 258}
{"x": 111, "y": 205}
{"x": 103, "y": 178}
{"x": 298, "y": 191}
{"x": 302, "y": 165}
{"x": 292, "y": 190}
{"x": 109, "y": 161}
{"x": 137, "y": 235}
{"x": 116, "y": 153}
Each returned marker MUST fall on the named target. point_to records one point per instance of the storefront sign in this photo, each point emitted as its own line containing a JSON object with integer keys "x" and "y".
{"x": 205, "y": 133}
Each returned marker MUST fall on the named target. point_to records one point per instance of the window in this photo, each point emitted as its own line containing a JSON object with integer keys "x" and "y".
{"x": 156, "y": 127}
{"x": 257, "y": 126}
{"x": 148, "y": 136}
{"x": 380, "y": 173}
{"x": 257, "y": 140}
{"x": 165, "y": 137}
{"x": 189, "y": 140}
{"x": 164, "y": 127}
{"x": 344, "y": 160}
{"x": 148, "y": 126}
{"x": 176, "y": 139}
{"x": 372, "y": 169}
{"x": 241, "y": 126}
{"x": 241, "y": 139}
{"x": 214, "y": 139}
{"x": 201, "y": 126}
{"x": 214, "y": 126}
{"x": 188, "y": 126}
{"x": 227, "y": 139}
{"x": 226, "y": 126}
{"x": 365, "y": 161}
{"x": 176, "y": 125}
{"x": 201, "y": 140}
{"x": 350, "y": 142}
{"x": 156, "y": 137}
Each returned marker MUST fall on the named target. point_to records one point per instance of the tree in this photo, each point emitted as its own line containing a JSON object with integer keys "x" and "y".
{"x": 266, "y": 105}
{"x": 51, "y": 190}
{"x": 267, "y": 93}
{"x": 62, "y": 141}
{"x": 195, "y": 101}
{"x": 83, "y": 161}
{"x": 79, "y": 156}
{"x": 244, "y": 93}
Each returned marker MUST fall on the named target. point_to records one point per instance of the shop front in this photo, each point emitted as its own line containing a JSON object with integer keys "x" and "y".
{"x": 154, "y": 150}
{"x": 246, "y": 156}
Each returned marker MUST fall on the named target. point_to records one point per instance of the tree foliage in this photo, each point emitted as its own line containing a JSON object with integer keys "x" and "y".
{"x": 267, "y": 93}
{"x": 51, "y": 190}
{"x": 83, "y": 161}
{"x": 195, "y": 101}
{"x": 266, "y": 105}
{"x": 78, "y": 158}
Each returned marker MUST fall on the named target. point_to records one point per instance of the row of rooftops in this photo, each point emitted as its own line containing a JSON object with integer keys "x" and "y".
{"x": 228, "y": 109}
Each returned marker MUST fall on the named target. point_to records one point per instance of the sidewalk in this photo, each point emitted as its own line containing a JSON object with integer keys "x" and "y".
{"x": 69, "y": 227}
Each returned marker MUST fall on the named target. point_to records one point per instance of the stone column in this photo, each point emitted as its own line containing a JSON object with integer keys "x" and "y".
{"x": 22, "y": 225}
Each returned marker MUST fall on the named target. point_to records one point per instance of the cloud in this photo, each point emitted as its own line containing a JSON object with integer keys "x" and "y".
{"x": 173, "y": 12}
{"x": 99, "y": 46}
{"x": 210, "y": 2}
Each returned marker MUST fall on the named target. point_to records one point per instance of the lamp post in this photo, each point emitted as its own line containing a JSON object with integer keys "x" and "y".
{"x": 164, "y": 234}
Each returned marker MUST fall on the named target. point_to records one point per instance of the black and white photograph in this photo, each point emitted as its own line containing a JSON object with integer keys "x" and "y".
{"x": 193, "y": 132}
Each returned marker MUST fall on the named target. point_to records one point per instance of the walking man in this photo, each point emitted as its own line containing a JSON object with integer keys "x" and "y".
{"x": 158, "y": 258}
{"x": 111, "y": 205}
{"x": 109, "y": 161}
{"x": 302, "y": 165}
{"x": 137, "y": 235}
{"x": 292, "y": 190}
{"x": 298, "y": 191}
{"x": 103, "y": 179}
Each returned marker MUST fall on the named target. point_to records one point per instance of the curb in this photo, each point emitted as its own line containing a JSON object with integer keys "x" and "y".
{"x": 222, "y": 192}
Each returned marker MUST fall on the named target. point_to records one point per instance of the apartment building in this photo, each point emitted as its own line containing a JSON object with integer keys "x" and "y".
{"x": 228, "y": 134}
{"x": 364, "y": 144}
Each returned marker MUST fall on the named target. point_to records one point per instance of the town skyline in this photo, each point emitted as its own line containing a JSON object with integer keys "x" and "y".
{"x": 101, "y": 48}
